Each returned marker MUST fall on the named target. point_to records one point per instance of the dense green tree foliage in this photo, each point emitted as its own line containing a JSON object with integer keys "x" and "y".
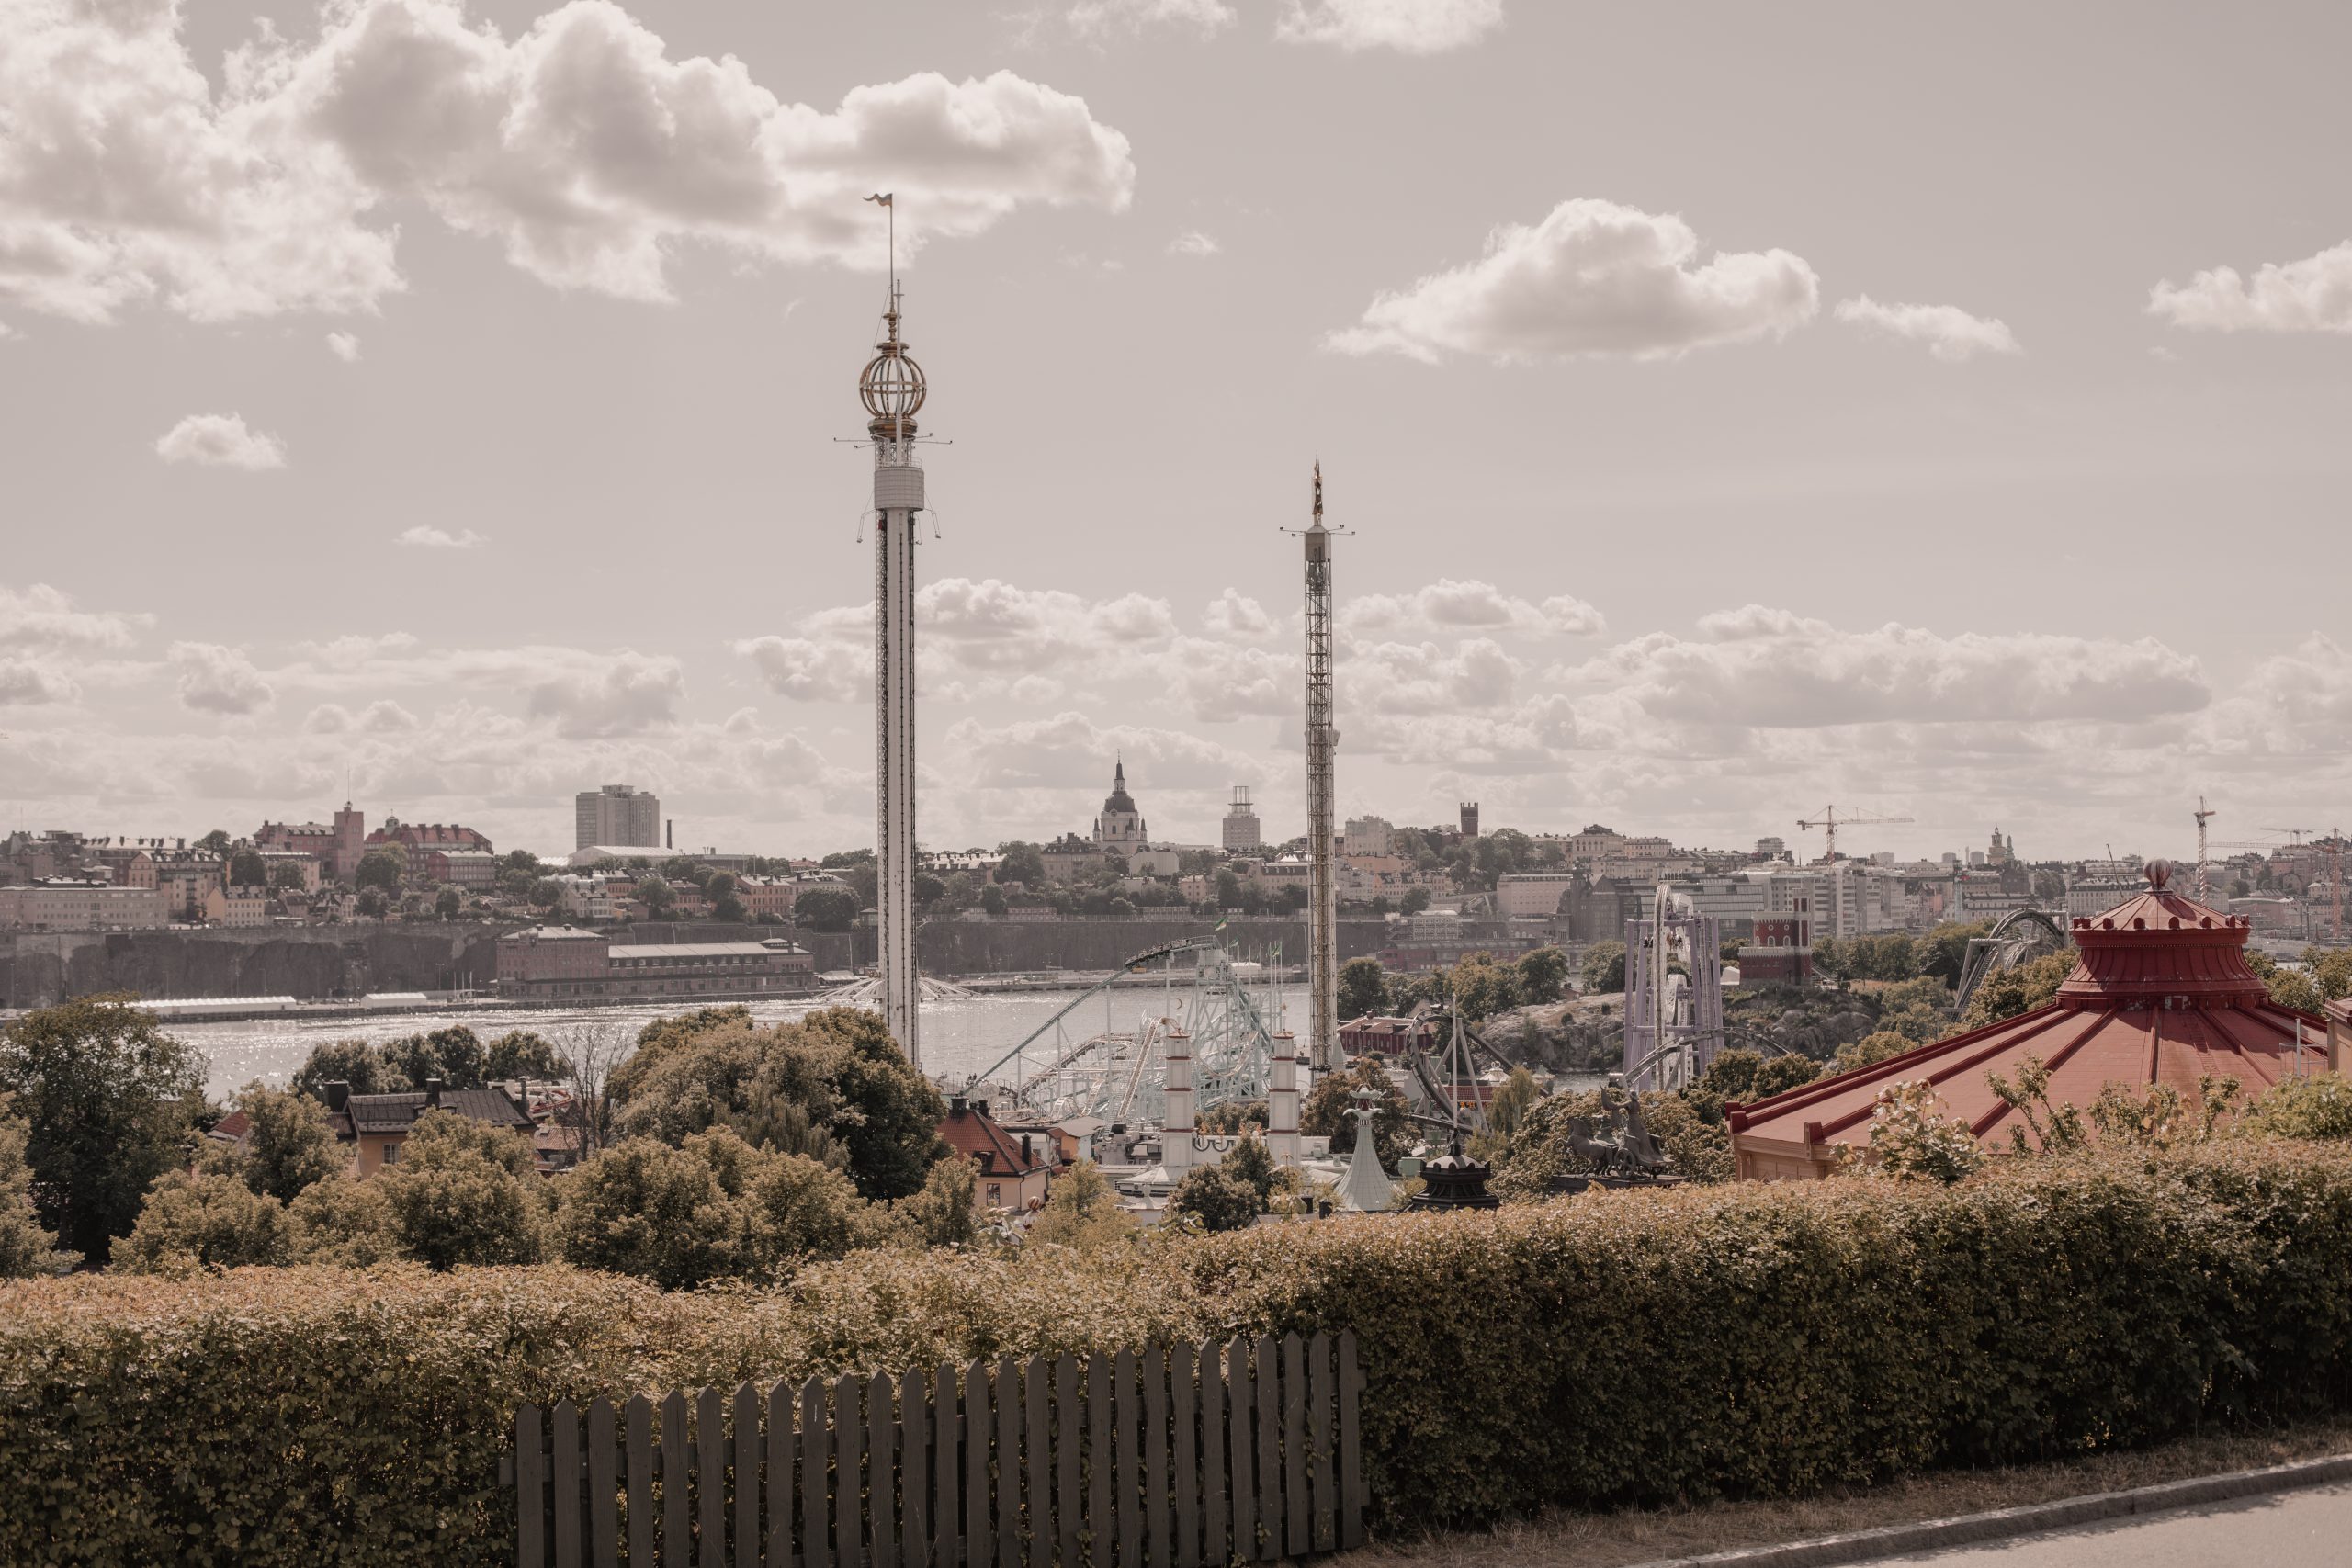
{"x": 108, "y": 1098}
{"x": 465, "y": 1193}
{"x": 825, "y": 910}
{"x": 1081, "y": 1211}
{"x": 26, "y": 1248}
{"x": 1603, "y": 969}
{"x": 1216, "y": 1198}
{"x": 205, "y": 1219}
{"x": 287, "y": 1144}
{"x": 1326, "y": 1113}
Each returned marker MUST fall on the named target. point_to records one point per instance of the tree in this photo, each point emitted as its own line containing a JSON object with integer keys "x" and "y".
{"x": 1542, "y": 975}
{"x": 453, "y": 1055}
{"x": 2006, "y": 993}
{"x": 546, "y": 893}
{"x": 943, "y": 1213}
{"x": 204, "y": 1219}
{"x": 288, "y": 1144}
{"x": 1082, "y": 1211}
{"x": 2315, "y": 1107}
{"x": 1869, "y": 1050}
{"x": 992, "y": 900}
{"x": 381, "y": 870}
{"x": 465, "y": 1193}
{"x": 825, "y": 910}
{"x": 342, "y": 1219}
{"x": 106, "y": 1097}
{"x": 216, "y": 842}
{"x": 1251, "y": 1163}
{"x": 370, "y": 904}
{"x": 520, "y": 1054}
{"x": 447, "y": 902}
{"x": 1364, "y": 988}
{"x": 834, "y": 1077}
{"x": 1325, "y": 1114}
{"x": 655, "y": 893}
{"x": 26, "y": 1249}
{"x": 1507, "y": 1112}
{"x": 1023, "y": 863}
{"x": 712, "y": 1208}
{"x": 1603, "y": 969}
{"x": 1217, "y": 1199}
{"x": 287, "y": 877}
{"x": 1943, "y": 952}
{"x": 1482, "y": 988}
{"x": 247, "y": 869}
{"x": 1415, "y": 900}
{"x": 729, "y": 908}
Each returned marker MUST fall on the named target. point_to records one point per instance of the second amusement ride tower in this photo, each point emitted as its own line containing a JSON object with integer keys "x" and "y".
{"x": 892, "y": 389}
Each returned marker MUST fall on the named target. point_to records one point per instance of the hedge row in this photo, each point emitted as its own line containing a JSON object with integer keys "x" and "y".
{"x": 1614, "y": 1347}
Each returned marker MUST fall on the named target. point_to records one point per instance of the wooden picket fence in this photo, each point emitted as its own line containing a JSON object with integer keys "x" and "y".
{"x": 1166, "y": 1457}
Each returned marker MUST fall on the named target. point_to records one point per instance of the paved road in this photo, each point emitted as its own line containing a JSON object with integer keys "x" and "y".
{"x": 2290, "y": 1529}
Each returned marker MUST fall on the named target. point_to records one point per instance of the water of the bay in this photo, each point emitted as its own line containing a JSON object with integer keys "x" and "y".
{"x": 960, "y": 1036}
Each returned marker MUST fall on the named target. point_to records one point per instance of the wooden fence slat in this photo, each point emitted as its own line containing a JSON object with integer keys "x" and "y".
{"x": 1067, "y": 1506}
{"x": 914, "y": 1468}
{"x": 1318, "y": 1420}
{"x": 1241, "y": 1397}
{"x": 881, "y": 1427}
{"x": 563, "y": 1475}
{"x": 1126, "y": 1418}
{"x": 711, "y": 1479}
{"x": 530, "y": 1490}
{"x": 979, "y": 1538}
{"x": 743, "y": 1444}
{"x": 1213, "y": 1481}
{"x": 677, "y": 1487}
{"x": 815, "y": 1518}
{"x": 603, "y": 1507}
{"x": 1184, "y": 1432}
{"x": 849, "y": 1510}
{"x": 1296, "y": 1518}
{"x": 948, "y": 1443}
{"x": 779, "y": 1540}
{"x": 1155, "y": 1454}
{"x": 640, "y": 1482}
{"x": 1269, "y": 1447}
{"x": 1008, "y": 1462}
{"x": 1036, "y": 1468}
{"x": 1098, "y": 1460}
{"x": 1351, "y": 1494}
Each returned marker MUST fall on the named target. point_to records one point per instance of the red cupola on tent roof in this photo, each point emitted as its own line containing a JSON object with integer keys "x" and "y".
{"x": 2163, "y": 994}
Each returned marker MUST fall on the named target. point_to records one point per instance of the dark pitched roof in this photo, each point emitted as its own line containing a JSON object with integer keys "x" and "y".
{"x": 380, "y": 1114}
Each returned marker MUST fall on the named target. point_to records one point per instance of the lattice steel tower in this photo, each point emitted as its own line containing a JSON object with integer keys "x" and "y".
{"x": 1322, "y": 741}
{"x": 892, "y": 389}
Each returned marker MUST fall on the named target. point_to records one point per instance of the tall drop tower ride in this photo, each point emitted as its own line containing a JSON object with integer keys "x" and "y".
{"x": 1323, "y": 906}
{"x": 892, "y": 389}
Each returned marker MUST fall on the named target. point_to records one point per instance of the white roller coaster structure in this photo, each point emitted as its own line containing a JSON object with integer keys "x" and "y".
{"x": 1120, "y": 1075}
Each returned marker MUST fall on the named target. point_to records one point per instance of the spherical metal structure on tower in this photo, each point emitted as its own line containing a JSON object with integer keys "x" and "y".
{"x": 891, "y": 387}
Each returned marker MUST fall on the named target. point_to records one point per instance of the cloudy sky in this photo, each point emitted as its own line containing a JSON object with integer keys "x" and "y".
{"x": 1939, "y": 410}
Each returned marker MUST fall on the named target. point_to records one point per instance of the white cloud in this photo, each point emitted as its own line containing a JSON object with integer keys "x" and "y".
{"x": 629, "y": 694}
{"x": 1234, "y": 614}
{"x": 1193, "y": 242}
{"x": 221, "y": 441}
{"x": 580, "y": 147}
{"x": 991, "y": 625}
{"x": 1420, "y": 678}
{"x": 1100, "y": 19}
{"x": 1757, "y": 667}
{"x": 426, "y": 536}
{"x": 1219, "y": 682}
{"x": 42, "y": 617}
{"x": 344, "y": 346}
{"x": 1448, "y": 603}
{"x": 2313, "y": 295}
{"x": 1592, "y": 278}
{"x": 1069, "y": 750}
{"x": 25, "y": 681}
{"x": 382, "y": 717}
{"x": 1409, "y": 27}
{"x": 213, "y": 678}
{"x": 1951, "y": 334}
{"x": 812, "y": 672}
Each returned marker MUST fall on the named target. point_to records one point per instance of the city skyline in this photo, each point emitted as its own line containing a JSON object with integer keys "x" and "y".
{"x": 1709, "y": 463}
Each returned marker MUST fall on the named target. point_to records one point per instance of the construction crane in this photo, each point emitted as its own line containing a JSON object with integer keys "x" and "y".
{"x": 2204, "y": 814}
{"x": 2334, "y": 843}
{"x": 1830, "y": 822}
{"x": 2296, "y": 834}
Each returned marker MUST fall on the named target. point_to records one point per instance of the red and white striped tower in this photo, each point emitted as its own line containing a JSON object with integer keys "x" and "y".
{"x": 1176, "y": 1151}
{"x": 1281, "y": 1101}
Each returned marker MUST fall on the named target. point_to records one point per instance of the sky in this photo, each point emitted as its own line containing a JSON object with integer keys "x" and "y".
{"x": 1933, "y": 410}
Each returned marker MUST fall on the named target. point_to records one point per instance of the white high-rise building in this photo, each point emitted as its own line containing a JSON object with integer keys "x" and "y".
{"x": 617, "y": 815}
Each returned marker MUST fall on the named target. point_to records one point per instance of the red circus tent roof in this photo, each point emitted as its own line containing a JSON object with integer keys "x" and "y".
{"x": 2163, "y": 994}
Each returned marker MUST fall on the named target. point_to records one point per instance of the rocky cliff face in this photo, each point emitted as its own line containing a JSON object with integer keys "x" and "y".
{"x": 308, "y": 962}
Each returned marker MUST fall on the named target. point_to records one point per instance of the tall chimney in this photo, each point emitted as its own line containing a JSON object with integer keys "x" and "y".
{"x": 339, "y": 1094}
{"x": 669, "y": 832}
{"x": 431, "y": 1093}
